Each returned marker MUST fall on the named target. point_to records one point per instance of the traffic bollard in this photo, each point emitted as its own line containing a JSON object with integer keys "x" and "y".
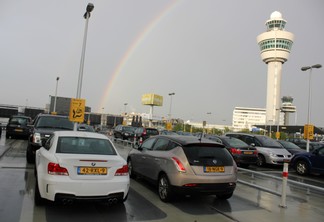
{"x": 284, "y": 185}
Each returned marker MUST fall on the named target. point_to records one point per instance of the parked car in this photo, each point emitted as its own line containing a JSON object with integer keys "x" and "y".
{"x": 76, "y": 165}
{"x": 184, "y": 165}
{"x": 143, "y": 133}
{"x": 124, "y": 132}
{"x": 309, "y": 162}
{"x": 42, "y": 128}
{"x": 18, "y": 126}
{"x": 291, "y": 147}
{"x": 269, "y": 150}
{"x": 243, "y": 154}
{"x": 303, "y": 143}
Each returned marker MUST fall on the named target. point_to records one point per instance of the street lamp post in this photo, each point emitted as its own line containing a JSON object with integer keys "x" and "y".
{"x": 170, "y": 94}
{"x": 54, "y": 109}
{"x": 305, "y": 68}
{"x": 125, "y": 104}
{"x": 86, "y": 15}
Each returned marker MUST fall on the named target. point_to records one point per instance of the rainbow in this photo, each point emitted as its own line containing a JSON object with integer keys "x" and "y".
{"x": 130, "y": 51}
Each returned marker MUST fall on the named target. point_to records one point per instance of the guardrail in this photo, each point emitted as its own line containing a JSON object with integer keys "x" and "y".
{"x": 307, "y": 186}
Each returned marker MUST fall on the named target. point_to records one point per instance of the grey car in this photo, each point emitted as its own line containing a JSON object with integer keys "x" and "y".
{"x": 269, "y": 150}
{"x": 184, "y": 165}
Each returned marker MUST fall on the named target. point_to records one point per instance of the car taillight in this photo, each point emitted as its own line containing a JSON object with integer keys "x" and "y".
{"x": 56, "y": 169}
{"x": 235, "y": 151}
{"x": 255, "y": 152}
{"x": 179, "y": 165}
{"x": 122, "y": 171}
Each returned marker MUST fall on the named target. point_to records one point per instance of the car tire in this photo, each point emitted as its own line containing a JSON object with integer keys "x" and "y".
{"x": 130, "y": 169}
{"x": 29, "y": 155}
{"x": 39, "y": 201}
{"x": 224, "y": 196}
{"x": 7, "y": 136}
{"x": 165, "y": 189}
{"x": 302, "y": 167}
{"x": 261, "y": 160}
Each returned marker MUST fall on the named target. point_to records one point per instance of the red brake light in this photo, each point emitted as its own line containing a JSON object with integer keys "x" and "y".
{"x": 235, "y": 151}
{"x": 56, "y": 169}
{"x": 122, "y": 171}
{"x": 179, "y": 165}
{"x": 144, "y": 132}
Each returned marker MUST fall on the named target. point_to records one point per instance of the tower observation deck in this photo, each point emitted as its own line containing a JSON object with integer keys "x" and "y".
{"x": 275, "y": 45}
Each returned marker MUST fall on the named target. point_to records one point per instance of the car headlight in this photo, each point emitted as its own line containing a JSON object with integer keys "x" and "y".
{"x": 272, "y": 154}
{"x": 37, "y": 138}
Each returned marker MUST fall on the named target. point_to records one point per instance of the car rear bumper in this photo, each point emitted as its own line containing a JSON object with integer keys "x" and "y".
{"x": 246, "y": 159}
{"x": 59, "y": 187}
{"x": 208, "y": 189}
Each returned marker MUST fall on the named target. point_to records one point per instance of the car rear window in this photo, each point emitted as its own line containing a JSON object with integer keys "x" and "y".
{"x": 18, "y": 121}
{"x": 80, "y": 145}
{"x": 207, "y": 155}
{"x": 152, "y": 131}
{"x": 54, "y": 122}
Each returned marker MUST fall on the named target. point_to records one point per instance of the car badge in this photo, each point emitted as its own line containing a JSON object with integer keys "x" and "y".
{"x": 93, "y": 164}
{"x": 215, "y": 161}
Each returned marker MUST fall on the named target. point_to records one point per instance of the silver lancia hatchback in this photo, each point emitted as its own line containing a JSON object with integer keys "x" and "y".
{"x": 184, "y": 165}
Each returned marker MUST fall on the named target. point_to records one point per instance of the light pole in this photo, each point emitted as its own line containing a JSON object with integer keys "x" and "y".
{"x": 87, "y": 14}
{"x": 125, "y": 104}
{"x": 54, "y": 109}
{"x": 170, "y": 94}
{"x": 305, "y": 68}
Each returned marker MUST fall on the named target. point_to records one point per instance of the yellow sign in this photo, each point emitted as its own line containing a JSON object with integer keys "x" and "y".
{"x": 77, "y": 108}
{"x": 152, "y": 99}
{"x": 308, "y": 132}
{"x": 277, "y": 135}
{"x": 169, "y": 126}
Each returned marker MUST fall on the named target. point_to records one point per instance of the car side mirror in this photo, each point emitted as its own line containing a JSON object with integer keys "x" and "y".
{"x": 252, "y": 144}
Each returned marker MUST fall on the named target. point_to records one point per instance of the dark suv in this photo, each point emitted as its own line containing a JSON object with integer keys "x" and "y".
{"x": 124, "y": 132}
{"x": 43, "y": 127}
{"x": 143, "y": 133}
{"x": 18, "y": 126}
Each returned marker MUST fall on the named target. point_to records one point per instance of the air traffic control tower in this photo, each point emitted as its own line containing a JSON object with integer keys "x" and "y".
{"x": 275, "y": 45}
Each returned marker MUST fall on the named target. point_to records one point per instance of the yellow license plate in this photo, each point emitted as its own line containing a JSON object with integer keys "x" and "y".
{"x": 214, "y": 169}
{"x": 92, "y": 171}
{"x": 248, "y": 152}
{"x": 18, "y": 130}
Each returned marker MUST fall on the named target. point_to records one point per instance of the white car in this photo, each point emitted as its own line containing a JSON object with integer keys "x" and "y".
{"x": 76, "y": 165}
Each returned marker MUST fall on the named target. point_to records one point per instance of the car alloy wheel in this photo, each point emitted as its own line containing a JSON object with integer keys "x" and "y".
{"x": 164, "y": 189}
{"x": 302, "y": 167}
{"x": 260, "y": 161}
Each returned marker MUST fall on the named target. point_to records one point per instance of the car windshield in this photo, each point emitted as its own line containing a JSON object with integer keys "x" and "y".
{"x": 288, "y": 145}
{"x": 54, "y": 122}
{"x": 207, "y": 155}
{"x": 268, "y": 142}
{"x": 152, "y": 131}
{"x": 129, "y": 129}
{"x": 81, "y": 145}
{"x": 234, "y": 142}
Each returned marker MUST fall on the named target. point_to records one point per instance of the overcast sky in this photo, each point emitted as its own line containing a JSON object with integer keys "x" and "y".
{"x": 204, "y": 51}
